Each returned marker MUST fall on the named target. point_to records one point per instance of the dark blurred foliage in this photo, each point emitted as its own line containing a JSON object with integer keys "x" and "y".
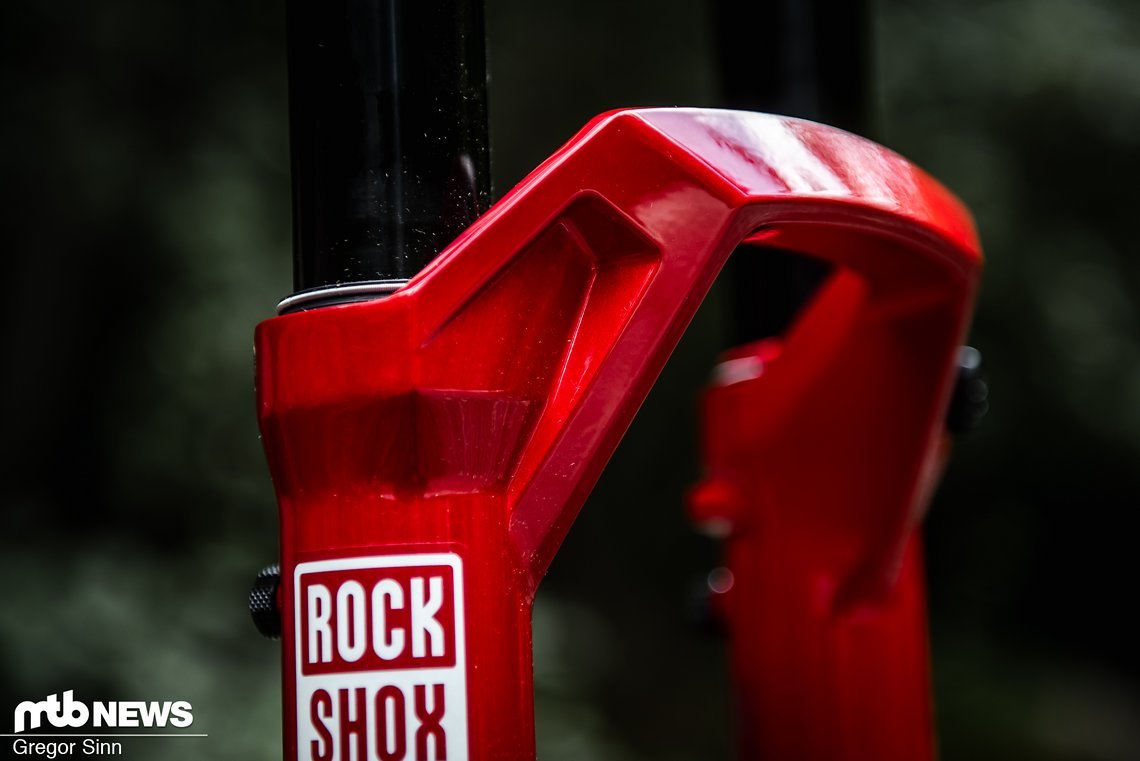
{"x": 146, "y": 231}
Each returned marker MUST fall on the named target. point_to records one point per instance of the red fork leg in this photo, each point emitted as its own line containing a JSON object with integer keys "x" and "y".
{"x": 821, "y": 450}
{"x": 431, "y": 449}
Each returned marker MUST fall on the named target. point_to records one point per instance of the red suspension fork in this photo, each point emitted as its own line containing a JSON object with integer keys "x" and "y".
{"x": 431, "y": 449}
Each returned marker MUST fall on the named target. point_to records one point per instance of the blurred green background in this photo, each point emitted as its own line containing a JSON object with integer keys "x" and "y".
{"x": 146, "y": 231}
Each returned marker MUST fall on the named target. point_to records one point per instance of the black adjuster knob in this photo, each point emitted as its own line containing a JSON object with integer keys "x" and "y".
{"x": 970, "y": 401}
{"x": 263, "y": 601}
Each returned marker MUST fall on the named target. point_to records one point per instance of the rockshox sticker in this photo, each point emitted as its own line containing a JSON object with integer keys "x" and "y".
{"x": 381, "y": 670}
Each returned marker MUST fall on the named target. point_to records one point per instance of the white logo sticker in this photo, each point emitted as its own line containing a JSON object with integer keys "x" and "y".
{"x": 381, "y": 670}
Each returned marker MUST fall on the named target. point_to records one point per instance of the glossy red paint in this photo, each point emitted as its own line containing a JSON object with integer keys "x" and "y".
{"x": 472, "y": 411}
